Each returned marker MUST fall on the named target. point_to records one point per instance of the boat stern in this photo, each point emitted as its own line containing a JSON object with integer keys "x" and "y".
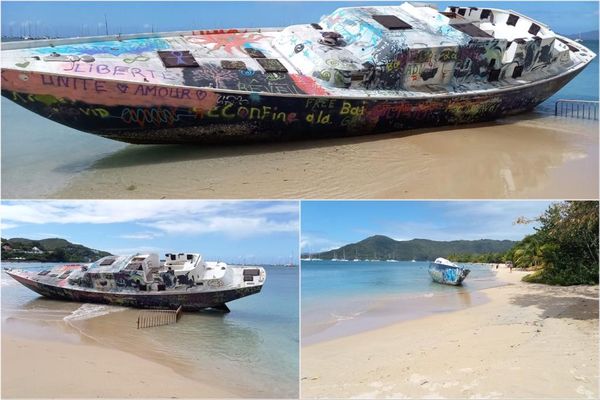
{"x": 253, "y": 277}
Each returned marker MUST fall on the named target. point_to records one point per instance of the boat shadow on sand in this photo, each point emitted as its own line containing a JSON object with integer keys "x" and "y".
{"x": 139, "y": 155}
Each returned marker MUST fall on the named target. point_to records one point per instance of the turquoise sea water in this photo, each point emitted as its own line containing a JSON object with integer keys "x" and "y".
{"x": 255, "y": 346}
{"x": 39, "y": 157}
{"x": 342, "y": 298}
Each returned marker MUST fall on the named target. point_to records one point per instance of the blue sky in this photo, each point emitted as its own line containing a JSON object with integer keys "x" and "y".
{"x": 331, "y": 224}
{"x": 247, "y": 231}
{"x": 87, "y": 18}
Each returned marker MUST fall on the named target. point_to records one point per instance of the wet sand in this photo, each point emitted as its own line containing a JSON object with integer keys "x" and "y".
{"x": 529, "y": 156}
{"x": 49, "y": 369}
{"x": 324, "y": 325}
{"x": 45, "y": 355}
{"x": 528, "y": 341}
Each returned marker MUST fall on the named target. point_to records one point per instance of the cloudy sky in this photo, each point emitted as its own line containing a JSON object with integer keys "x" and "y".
{"x": 331, "y": 224}
{"x": 245, "y": 231}
{"x": 86, "y": 18}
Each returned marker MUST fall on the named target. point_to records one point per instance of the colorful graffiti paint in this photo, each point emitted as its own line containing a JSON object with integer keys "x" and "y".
{"x": 226, "y": 117}
{"x": 115, "y": 48}
{"x": 142, "y": 281}
{"x": 349, "y": 74}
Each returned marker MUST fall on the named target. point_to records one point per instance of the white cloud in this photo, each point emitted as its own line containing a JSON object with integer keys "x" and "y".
{"x": 140, "y": 249}
{"x": 234, "y": 218}
{"x": 232, "y": 226}
{"x": 316, "y": 243}
{"x": 4, "y": 225}
{"x": 140, "y": 235}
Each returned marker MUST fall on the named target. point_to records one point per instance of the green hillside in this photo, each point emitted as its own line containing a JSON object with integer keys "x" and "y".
{"x": 51, "y": 250}
{"x": 383, "y": 248}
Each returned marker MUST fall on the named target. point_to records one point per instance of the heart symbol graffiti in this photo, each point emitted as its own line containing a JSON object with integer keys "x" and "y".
{"x": 122, "y": 87}
{"x": 23, "y": 64}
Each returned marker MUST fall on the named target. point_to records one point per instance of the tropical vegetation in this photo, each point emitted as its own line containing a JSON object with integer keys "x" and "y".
{"x": 562, "y": 251}
{"x": 564, "y": 248}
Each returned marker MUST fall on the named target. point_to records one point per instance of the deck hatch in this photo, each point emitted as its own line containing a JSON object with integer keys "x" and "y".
{"x": 512, "y": 20}
{"x": 177, "y": 59}
{"x": 494, "y": 75}
{"x": 271, "y": 65}
{"x": 534, "y": 29}
{"x": 450, "y": 14}
{"x": 391, "y": 22}
{"x": 518, "y": 71}
{"x": 228, "y": 64}
{"x": 108, "y": 261}
{"x": 570, "y": 46}
{"x": 65, "y": 274}
{"x": 254, "y": 53}
{"x": 485, "y": 13}
{"x": 472, "y": 30}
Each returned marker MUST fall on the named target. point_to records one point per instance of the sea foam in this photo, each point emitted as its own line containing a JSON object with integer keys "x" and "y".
{"x": 87, "y": 311}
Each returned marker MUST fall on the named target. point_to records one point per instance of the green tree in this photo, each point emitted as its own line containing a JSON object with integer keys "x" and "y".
{"x": 564, "y": 248}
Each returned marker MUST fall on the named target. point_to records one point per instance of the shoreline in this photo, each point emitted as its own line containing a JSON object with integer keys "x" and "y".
{"x": 368, "y": 313}
{"x": 64, "y": 342}
{"x": 226, "y": 355}
{"x": 532, "y": 155}
{"x": 528, "y": 341}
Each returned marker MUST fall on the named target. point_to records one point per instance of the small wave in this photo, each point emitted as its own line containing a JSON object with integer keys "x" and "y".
{"x": 428, "y": 295}
{"x": 87, "y": 311}
{"x": 339, "y": 318}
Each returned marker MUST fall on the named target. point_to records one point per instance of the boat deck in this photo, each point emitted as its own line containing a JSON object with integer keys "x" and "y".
{"x": 435, "y": 57}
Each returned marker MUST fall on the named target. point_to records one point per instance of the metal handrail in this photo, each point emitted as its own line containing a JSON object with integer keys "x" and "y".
{"x": 586, "y": 109}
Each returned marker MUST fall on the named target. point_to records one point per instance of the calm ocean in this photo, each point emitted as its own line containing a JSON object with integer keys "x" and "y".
{"x": 255, "y": 346}
{"x": 343, "y": 298}
{"x": 39, "y": 157}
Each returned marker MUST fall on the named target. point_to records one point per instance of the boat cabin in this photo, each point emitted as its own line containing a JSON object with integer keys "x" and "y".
{"x": 113, "y": 272}
{"x": 413, "y": 47}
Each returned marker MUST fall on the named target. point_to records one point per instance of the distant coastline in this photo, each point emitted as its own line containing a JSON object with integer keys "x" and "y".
{"x": 48, "y": 250}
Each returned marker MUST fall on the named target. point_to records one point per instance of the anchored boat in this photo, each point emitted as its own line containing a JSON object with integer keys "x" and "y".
{"x": 445, "y": 271}
{"x": 359, "y": 70}
{"x": 143, "y": 281}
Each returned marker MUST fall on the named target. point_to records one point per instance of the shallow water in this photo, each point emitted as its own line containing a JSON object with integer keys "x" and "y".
{"x": 257, "y": 343}
{"x": 344, "y": 298}
{"x": 40, "y": 157}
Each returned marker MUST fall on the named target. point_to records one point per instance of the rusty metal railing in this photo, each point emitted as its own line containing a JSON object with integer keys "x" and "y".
{"x": 151, "y": 318}
{"x": 584, "y": 109}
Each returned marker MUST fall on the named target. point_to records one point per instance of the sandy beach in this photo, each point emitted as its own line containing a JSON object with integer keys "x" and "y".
{"x": 527, "y": 341}
{"x": 530, "y": 156}
{"x": 50, "y": 369}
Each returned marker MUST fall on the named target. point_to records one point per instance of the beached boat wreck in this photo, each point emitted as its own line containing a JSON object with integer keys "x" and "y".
{"x": 447, "y": 272}
{"x": 143, "y": 281}
{"x": 359, "y": 70}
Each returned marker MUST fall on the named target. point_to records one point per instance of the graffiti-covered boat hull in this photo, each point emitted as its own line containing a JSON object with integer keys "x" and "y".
{"x": 242, "y": 117}
{"x": 358, "y": 71}
{"x": 189, "y": 300}
{"x": 144, "y": 281}
{"x": 447, "y": 273}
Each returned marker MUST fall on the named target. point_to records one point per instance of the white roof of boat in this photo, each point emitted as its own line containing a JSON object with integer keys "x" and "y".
{"x": 444, "y": 261}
